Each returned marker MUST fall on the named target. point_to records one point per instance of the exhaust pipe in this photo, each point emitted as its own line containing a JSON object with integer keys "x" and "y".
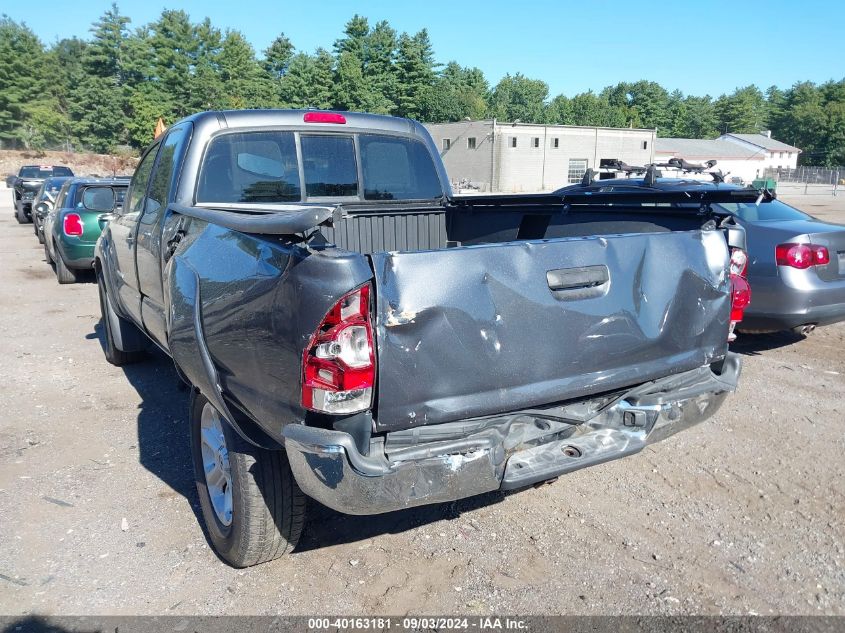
{"x": 804, "y": 330}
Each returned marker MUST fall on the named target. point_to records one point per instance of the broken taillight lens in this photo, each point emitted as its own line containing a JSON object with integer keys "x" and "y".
{"x": 338, "y": 366}
{"x": 740, "y": 288}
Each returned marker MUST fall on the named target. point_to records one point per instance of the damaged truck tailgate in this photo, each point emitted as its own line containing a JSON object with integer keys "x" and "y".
{"x": 486, "y": 329}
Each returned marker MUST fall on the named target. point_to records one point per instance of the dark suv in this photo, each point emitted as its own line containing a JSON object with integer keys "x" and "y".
{"x": 26, "y": 185}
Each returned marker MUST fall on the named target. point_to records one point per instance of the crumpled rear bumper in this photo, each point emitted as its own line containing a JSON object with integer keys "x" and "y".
{"x": 328, "y": 466}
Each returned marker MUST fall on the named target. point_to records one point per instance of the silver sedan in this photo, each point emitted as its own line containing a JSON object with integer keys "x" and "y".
{"x": 796, "y": 268}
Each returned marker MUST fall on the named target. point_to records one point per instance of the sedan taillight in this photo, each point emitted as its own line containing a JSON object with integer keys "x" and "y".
{"x": 72, "y": 224}
{"x": 801, "y": 256}
{"x": 338, "y": 366}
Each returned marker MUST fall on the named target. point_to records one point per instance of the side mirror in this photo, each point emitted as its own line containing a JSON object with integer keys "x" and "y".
{"x": 99, "y": 199}
{"x": 42, "y": 209}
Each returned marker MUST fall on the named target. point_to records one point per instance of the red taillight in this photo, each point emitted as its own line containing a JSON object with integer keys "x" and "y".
{"x": 73, "y": 224}
{"x": 323, "y": 117}
{"x": 338, "y": 366}
{"x": 740, "y": 288}
{"x": 740, "y": 296}
{"x": 801, "y": 256}
{"x": 821, "y": 255}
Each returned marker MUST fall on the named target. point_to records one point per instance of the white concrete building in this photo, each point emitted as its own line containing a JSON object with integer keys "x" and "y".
{"x": 776, "y": 155}
{"x": 520, "y": 157}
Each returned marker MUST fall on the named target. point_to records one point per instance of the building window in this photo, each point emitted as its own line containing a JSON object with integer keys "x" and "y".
{"x": 645, "y": 144}
{"x": 577, "y": 169}
{"x": 471, "y": 142}
{"x": 513, "y": 141}
{"x": 783, "y": 154}
{"x": 447, "y": 143}
{"x": 555, "y": 143}
{"x": 536, "y": 141}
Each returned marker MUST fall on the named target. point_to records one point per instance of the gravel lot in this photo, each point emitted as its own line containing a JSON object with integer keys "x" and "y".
{"x": 742, "y": 514}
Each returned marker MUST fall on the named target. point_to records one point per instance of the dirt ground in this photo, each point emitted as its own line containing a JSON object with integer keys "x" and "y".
{"x": 82, "y": 163}
{"x": 742, "y": 514}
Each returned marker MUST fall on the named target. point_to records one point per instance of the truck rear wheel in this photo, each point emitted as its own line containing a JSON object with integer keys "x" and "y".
{"x": 253, "y": 509}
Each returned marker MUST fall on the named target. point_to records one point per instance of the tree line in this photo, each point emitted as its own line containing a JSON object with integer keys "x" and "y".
{"x": 108, "y": 91}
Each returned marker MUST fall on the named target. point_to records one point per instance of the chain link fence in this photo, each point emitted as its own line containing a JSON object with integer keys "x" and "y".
{"x": 827, "y": 181}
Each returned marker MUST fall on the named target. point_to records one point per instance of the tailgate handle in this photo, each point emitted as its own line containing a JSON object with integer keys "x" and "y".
{"x": 578, "y": 283}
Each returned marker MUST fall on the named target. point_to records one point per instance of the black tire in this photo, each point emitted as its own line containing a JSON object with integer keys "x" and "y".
{"x": 39, "y": 235}
{"x": 64, "y": 274}
{"x": 47, "y": 257}
{"x": 20, "y": 214}
{"x": 114, "y": 355}
{"x": 268, "y": 508}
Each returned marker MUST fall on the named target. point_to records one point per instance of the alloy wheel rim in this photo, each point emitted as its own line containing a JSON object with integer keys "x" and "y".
{"x": 215, "y": 463}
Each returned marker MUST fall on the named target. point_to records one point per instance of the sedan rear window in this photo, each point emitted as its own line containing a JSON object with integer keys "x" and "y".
{"x": 764, "y": 212}
{"x": 250, "y": 167}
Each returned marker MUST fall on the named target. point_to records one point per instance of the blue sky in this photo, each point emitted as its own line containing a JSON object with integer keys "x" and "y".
{"x": 707, "y": 47}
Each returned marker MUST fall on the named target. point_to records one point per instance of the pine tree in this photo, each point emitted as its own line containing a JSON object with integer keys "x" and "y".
{"x": 354, "y": 38}
{"x": 278, "y": 55}
{"x": 21, "y": 59}
{"x": 380, "y": 67}
{"x": 245, "y": 83}
{"x": 414, "y": 73}
{"x": 104, "y": 56}
{"x": 743, "y": 111}
{"x": 309, "y": 81}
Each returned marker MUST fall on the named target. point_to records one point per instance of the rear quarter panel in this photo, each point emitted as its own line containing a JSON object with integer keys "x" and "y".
{"x": 260, "y": 299}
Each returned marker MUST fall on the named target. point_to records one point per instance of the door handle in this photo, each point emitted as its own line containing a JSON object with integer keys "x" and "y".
{"x": 581, "y": 282}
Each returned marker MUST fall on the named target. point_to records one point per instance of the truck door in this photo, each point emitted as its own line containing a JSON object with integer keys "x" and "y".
{"x": 148, "y": 246}
{"x": 122, "y": 229}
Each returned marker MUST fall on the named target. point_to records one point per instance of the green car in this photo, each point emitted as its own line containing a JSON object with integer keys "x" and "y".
{"x": 71, "y": 228}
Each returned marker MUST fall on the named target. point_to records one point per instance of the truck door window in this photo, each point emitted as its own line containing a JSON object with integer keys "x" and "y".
{"x": 329, "y": 166}
{"x": 140, "y": 180}
{"x": 163, "y": 178}
{"x": 397, "y": 169}
{"x": 250, "y": 167}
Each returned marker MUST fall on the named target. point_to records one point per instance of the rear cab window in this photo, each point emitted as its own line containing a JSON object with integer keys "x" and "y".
{"x": 265, "y": 167}
{"x": 250, "y": 167}
{"x": 329, "y": 166}
{"x": 397, "y": 169}
{"x": 43, "y": 172}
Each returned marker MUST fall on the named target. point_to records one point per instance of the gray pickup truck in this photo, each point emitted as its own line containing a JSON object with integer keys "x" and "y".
{"x": 355, "y": 333}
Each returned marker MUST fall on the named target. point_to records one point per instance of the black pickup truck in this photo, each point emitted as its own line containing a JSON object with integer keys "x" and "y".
{"x": 27, "y": 184}
{"x": 353, "y": 332}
